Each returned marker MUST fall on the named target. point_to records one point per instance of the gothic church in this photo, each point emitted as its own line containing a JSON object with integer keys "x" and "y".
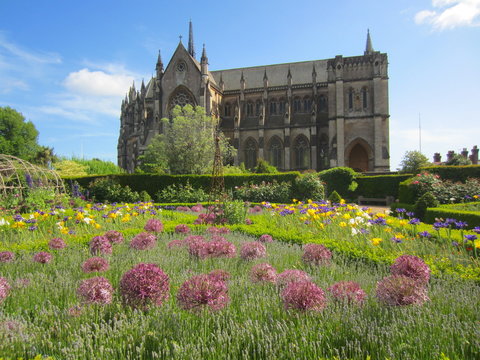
{"x": 312, "y": 114}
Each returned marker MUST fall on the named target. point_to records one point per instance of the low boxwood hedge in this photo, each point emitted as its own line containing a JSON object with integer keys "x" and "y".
{"x": 454, "y": 173}
{"x": 472, "y": 218}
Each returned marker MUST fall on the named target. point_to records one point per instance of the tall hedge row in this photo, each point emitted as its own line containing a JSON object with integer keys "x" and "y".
{"x": 454, "y": 173}
{"x": 152, "y": 183}
{"x": 379, "y": 186}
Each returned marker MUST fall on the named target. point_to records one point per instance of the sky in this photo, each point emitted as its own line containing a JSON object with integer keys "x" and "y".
{"x": 66, "y": 65}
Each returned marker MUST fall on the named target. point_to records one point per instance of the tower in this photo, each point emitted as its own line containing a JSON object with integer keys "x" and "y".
{"x": 191, "y": 46}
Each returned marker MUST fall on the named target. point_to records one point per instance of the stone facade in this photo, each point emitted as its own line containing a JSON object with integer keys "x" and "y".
{"x": 304, "y": 115}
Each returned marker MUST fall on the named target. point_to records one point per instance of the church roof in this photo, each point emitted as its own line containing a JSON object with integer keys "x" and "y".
{"x": 276, "y": 74}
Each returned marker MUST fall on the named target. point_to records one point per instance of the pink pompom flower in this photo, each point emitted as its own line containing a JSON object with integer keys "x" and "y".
{"x": 304, "y": 296}
{"x": 143, "y": 241}
{"x": 6, "y": 256}
{"x": 96, "y": 290}
{"x": 219, "y": 247}
{"x": 411, "y": 266}
{"x": 203, "y": 291}
{"x": 100, "y": 245}
{"x": 144, "y": 285}
{"x": 95, "y": 264}
{"x": 42, "y": 257}
{"x": 348, "y": 291}
{"x": 399, "y": 290}
{"x": 153, "y": 225}
{"x": 288, "y": 276}
{"x": 252, "y": 250}
{"x": 265, "y": 238}
{"x": 4, "y": 289}
{"x": 114, "y": 236}
{"x": 219, "y": 274}
{"x": 57, "y": 244}
{"x": 263, "y": 273}
{"x": 316, "y": 254}
{"x": 182, "y": 229}
{"x": 176, "y": 244}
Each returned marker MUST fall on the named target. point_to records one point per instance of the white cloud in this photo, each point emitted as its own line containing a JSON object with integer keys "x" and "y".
{"x": 98, "y": 83}
{"x": 450, "y": 14}
{"x": 27, "y": 55}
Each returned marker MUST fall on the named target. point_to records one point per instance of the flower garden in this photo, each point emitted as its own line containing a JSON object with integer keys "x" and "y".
{"x": 307, "y": 280}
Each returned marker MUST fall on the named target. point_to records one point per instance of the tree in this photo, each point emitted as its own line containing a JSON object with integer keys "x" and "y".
{"x": 45, "y": 156}
{"x": 187, "y": 144}
{"x": 17, "y": 137}
{"x": 413, "y": 161}
{"x": 458, "y": 159}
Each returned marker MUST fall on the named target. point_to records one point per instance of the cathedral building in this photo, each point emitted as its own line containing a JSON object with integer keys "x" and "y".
{"x": 314, "y": 114}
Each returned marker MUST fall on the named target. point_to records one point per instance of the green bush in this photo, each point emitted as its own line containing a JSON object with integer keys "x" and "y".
{"x": 399, "y": 205}
{"x": 406, "y": 193}
{"x": 181, "y": 193}
{"x": 308, "y": 186}
{"x": 379, "y": 186}
{"x": 235, "y": 211}
{"x": 472, "y": 218}
{"x": 425, "y": 201}
{"x": 335, "y": 197}
{"x": 263, "y": 167}
{"x": 107, "y": 190}
{"x": 273, "y": 192}
{"x": 455, "y": 173}
{"x": 339, "y": 179}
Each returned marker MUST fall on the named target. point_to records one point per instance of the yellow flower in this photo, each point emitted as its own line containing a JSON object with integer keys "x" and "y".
{"x": 376, "y": 241}
{"x": 89, "y": 206}
{"x": 475, "y": 196}
{"x": 126, "y": 218}
{"x": 388, "y": 230}
{"x": 342, "y": 201}
{"x": 347, "y": 216}
{"x": 399, "y": 236}
{"x": 79, "y": 216}
{"x": 294, "y": 201}
{"x": 97, "y": 226}
{"x": 403, "y": 222}
{"x": 36, "y": 215}
{"x": 476, "y": 243}
{"x": 380, "y": 215}
{"x": 64, "y": 230}
{"x": 112, "y": 215}
{"x": 389, "y": 221}
{"x": 310, "y": 212}
{"x": 19, "y": 225}
{"x": 134, "y": 214}
{"x": 309, "y": 201}
{"x": 321, "y": 226}
{"x": 343, "y": 224}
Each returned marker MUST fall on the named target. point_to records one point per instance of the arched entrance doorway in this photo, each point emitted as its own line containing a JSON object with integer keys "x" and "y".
{"x": 358, "y": 159}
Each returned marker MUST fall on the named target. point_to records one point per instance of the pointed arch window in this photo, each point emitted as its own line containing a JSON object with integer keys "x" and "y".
{"x": 275, "y": 152}
{"x": 297, "y": 105}
{"x": 322, "y": 103}
{"x": 273, "y": 107}
{"x": 350, "y": 99}
{"x": 181, "y": 97}
{"x": 301, "y": 149}
{"x": 228, "y": 110}
{"x": 249, "y": 108}
{"x": 365, "y": 98}
{"x": 307, "y": 104}
{"x": 281, "y": 106}
{"x": 250, "y": 153}
{"x": 258, "y": 105}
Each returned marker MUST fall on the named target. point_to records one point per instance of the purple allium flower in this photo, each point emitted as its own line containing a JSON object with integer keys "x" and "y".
{"x": 348, "y": 291}
{"x": 143, "y": 241}
{"x": 6, "y": 256}
{"x": 203, "y": 291}
{"x": 182, "y": 229}
{"x": 316, "y": 254}
{"x": 95, "y": 264}
{"x": 248, "y": 221}
{"x": 253, "y": 250}
{"x": 42, "y": 257}
{"x": 4, "y": 289}
{"x": 265, "y": 238}
{"x": 197, "y": 208}
{"x": 182, "y": 208}
{"x": 100, "y": 245}
{"x": 176, "y": 243}
{"x": 470, "y": 237}
{"x": 289, "y": 276}
{"x": 303, "y": 296}
{"x": 144, "y": 285}
{"x": 397, "y": 290}
{"x": 153, "y": 225}
{"x": 57, "y": 244}
{"x": 196, "y": 246}
{"x": 114, "y": 236}
{"x": 411, "y": 266}
{"x": 215, "y": 230}
{"x": 263, "y": 273}
{"x": 96, "y": 290}
{"x": 219, "y": 247}
{"x": 219, "y": 274}
{"x": 424, "y": 234}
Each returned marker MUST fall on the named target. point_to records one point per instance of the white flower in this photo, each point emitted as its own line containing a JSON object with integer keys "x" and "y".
{"x": 354, "y": 231}
{"x": 4, "y": 222}
{"x": 87, "y": 220}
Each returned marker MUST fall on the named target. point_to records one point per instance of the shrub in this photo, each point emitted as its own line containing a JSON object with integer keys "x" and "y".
{"x": 412, "y": 267}
{"x": 316, "y": 254}
{"x": 153, "y": 225}
{"x": 263, "y": 167}
{"x": 4, "y": 289}
{"x": 115, "y": 237}
{"x": 234, "y": 211}
{"x": 144, "y": 285}
{"x": 252, "y": 250}
{"x": 425, "y": 201}
{"x": 308, "y": 186}
{"x": 181, "y": 193}
{"x": 95, "y": 264}
{"x": 348, "y": 291}
{"x": 57, "y": 244}
{"x": 399, "y": 290}
{"x": 143, "y": 241}
{"x": 339, "y": 179}
{"x": 42, "y": 257}
{"x": 203, "y": 291}
{"x": 303, "y": 296}
{"x": 107, "y": 190}
{"x": 335, "y": 197}
{"x": 100, "y": 245}
{"x": 97, "y": 290}
{"x": 6, "y": 256}
{"x": 273, "y": 192}
{"x": 263, "y": 273}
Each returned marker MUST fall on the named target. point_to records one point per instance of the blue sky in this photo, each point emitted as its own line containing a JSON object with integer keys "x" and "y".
{"x": 66, "y": 65}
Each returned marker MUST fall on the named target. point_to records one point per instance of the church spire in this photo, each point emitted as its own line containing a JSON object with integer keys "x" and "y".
{"x": 368, "y": 47}
{"x": 159, "y": 62}
{"x": 191, "y": 46}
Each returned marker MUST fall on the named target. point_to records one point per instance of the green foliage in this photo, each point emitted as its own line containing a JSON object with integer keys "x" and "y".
{"x": 272, "y": 192}
{"x": 98, "y": 167}
{"x": 181, "y": 193}
{"x": 379, "y": 186}
{"x": 412, "y": 162}
{"x": 17, "y": 137}
{"x": 455, "y": 173}
{"x": 308, "y": 186}
{"x": 45, "y": 156}
{"x": 334, "y": 197}
{"x": 425, "y": 201}
{"x": 66, "y": 168}
{"x": 458, "y": 160}
{"x": 187, "y": 144}
{"x": 406, "y": 193}
{"x": 399, "y": 205}
{"x": 230, "y": 169}
{"x": 338, "y": 179}
{"x": 107, "y": 190}
{"x": 472, "y": 218}
{"x": 235, "y": 211}
{"x": 263, "y": 167}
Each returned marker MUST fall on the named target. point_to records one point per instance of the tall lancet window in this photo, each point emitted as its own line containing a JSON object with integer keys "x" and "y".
{"x": 250, "y": 153}
{"x": 365, "y": 98}
{"x": 301, "y": 149}
{"x": 275, "y": 150}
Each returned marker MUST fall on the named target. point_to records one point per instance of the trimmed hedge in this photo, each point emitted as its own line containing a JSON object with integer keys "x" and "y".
{"x": 406, "y": 194}
{"x": 379, "y": 186}
{"x": 454, "y": 173}
{"x": 338, "y": 179}
{"x": 472, "y": 218}
{"x": 152, "y": 183}
{"x": 399, "y": 205}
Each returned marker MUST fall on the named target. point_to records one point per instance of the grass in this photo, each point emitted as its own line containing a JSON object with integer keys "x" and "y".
{"x": 253, "y": 326}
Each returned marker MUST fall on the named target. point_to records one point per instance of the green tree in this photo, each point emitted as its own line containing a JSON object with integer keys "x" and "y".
{"x": 412, "y": 162}
{"x": 458, "y": 159}
{"x": 45, "y": 156}
{"x": 17, "y": 136}
{"x": 186, "y": 146}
